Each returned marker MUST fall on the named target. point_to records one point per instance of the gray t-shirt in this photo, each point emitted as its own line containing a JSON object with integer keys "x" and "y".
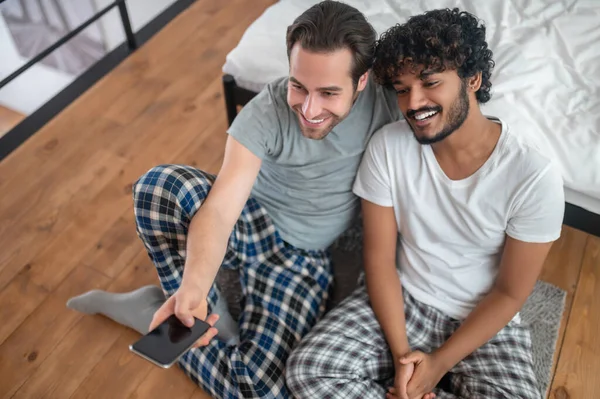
{"x": 305, "y": 185}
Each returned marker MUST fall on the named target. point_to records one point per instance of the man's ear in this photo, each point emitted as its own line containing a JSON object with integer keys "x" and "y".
{"x": 362, "y": 81}
{"x": 474, "y": 82}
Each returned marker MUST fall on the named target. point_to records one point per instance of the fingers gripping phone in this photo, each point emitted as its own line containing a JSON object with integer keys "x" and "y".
{"x": 164, "y": 345}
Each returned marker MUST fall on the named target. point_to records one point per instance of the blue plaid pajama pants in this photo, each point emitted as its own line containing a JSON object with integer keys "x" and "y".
{"x": 346, "y": 356}
{"x": 284, "y": 288}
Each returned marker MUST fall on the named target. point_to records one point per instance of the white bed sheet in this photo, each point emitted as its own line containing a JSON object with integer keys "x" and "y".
{"x": 546, "y": 83}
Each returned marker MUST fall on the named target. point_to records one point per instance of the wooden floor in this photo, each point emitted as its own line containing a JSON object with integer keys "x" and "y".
{"x": 66, "y": 222}
{"x": 9, "y": 119}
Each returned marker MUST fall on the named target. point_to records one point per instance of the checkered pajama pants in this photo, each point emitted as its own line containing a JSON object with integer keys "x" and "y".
{"x": 285, "y": 289}
{"x": 346, "y": 356}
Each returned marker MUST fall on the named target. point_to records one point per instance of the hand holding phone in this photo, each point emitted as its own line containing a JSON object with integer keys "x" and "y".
{"x": 165, "y": 344}
{"x": 186, "y": 303}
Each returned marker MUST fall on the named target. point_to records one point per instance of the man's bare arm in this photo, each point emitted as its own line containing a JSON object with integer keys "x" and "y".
{"x": 383, "y": 285}
{"x": 212, "y": 225}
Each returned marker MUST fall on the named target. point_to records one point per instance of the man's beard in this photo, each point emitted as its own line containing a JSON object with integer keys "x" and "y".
{"x": 459, "y": 110}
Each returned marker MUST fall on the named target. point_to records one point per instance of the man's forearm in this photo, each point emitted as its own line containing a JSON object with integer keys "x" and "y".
{"x": 385, "y": 293}
{"x": 492, "y": 314}
{"x": 207, "y": 240}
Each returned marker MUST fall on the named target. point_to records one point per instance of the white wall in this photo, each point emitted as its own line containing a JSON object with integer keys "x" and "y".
{"x": 32, "y": 88}
{"x": 40, "y": 83}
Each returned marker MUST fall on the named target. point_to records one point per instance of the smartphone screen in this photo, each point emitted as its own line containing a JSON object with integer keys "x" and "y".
{"x": 167, "y": 342}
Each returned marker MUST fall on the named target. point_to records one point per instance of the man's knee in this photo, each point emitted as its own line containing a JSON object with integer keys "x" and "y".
{"x": 302, "y": 371}
{"x": 170, "y": 183}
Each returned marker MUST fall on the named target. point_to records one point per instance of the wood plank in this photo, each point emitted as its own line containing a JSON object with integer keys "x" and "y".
{"x": 161, "y": 383}
{"x": 42, "y": 274}
{"x": 182, "y": 29}
{"x": 562, "y": 268}
{"x": 18, "y": 300}
{"x": 222, "y": 30}
{"x": 116, "y": 249}
{"x": 199, "y": 393}
{"x": 136, "y": 100}
{"x": 9, "y": 119}
{"x": 63, "y": 254}
{"x": 579, "y": 361}
{"x": 33, "y": 341}
{"x": 20, "y": 200}
{"x": 57, "y": 260}
{"x": 212, "y": 149}
{"x": 71, "y": 361}
{"x": 55, "y": 207}
{"x": 52, "y": 156}
{"x": 67, "y": 247}
{"x": 117, "y": 374}
{"x": 120, "y": 372}
{"x": 62, "y": 136}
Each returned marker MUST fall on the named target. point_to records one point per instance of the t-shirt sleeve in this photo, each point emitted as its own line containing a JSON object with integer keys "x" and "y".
{"x": 257, "y": 124}
{"x": 372, "y": 181}
{"x": 538, "y": 216}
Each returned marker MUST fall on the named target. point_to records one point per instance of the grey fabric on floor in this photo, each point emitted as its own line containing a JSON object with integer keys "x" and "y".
{"x": 542, "y": 312}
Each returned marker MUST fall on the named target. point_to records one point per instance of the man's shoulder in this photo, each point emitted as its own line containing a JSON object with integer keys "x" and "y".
{"x": 269, "y": 108}
{"x": 263, "y": 119}
{"x": 394, "y": 133}
{"x": 394, "y": 140}
{"x": 523, "y": 152}
{"x": 526, "y": 167}
{"x": 277, "y": 87}
{"x": 263, "y": 108}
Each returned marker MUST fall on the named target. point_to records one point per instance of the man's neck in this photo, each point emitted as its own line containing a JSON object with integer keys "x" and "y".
{"x": 463, "y": 152}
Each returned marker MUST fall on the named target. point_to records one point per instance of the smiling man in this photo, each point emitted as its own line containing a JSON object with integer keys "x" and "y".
{"x": 320, "y": 108}
{"x": 459, "y": 214}
{"x": 282, "y": 196}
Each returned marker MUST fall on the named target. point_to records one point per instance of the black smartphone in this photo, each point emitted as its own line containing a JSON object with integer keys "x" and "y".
{"x": 164, "y": 345}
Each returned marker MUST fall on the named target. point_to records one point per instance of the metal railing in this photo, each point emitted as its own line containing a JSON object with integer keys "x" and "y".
{"x": 131, "y": 42}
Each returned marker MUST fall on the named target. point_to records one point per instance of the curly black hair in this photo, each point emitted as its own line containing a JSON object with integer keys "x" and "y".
{"x": 439, "y": 40}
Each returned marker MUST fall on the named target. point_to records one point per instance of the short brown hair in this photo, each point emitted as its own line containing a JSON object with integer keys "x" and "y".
{"x": 331, "y": 25}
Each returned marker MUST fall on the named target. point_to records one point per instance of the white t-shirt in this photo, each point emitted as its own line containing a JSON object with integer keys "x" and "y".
{"x": 452, "y": 232}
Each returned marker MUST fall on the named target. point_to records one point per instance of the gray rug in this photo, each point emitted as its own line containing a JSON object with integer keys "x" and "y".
{"x": 542, "y": 312}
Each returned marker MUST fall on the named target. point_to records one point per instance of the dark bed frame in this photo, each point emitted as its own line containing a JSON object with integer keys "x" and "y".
{"x": 575, "y": 216}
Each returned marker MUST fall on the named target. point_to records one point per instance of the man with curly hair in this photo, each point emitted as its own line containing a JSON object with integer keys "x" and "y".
{"x": 459, "y": 214}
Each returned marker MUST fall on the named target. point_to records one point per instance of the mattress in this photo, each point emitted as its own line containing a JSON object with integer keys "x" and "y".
{"x": 546, "y": 83}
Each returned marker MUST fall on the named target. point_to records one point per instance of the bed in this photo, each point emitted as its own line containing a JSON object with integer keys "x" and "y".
{"x": 546, "y": 80}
